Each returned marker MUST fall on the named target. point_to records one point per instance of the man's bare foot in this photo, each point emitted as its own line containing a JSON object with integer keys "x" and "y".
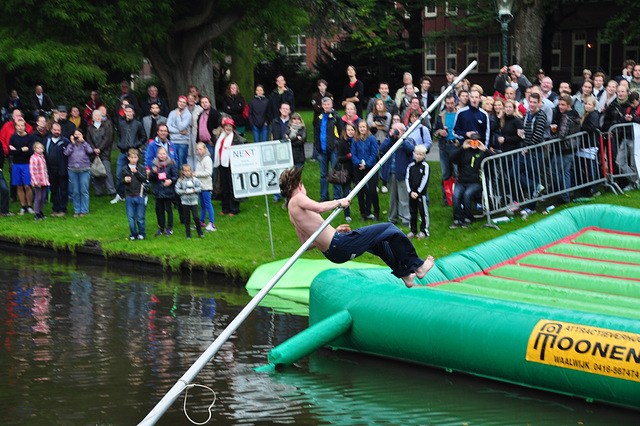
{"x": 408, "y": 280}
{"x": 424, "y": 268}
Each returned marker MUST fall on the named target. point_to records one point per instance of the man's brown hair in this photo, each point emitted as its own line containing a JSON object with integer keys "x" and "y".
{"x": 289, "y": 181}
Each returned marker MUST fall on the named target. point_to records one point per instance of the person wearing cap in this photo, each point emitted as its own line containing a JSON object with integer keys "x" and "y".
{"x": 222, "y": 164}
{"x": 468, "y": 188}
{"x": 179, "y": 123}
{"x": 538, "y": 81}
{"x": 130, "y": 135}
{"x": 67, "y": 126}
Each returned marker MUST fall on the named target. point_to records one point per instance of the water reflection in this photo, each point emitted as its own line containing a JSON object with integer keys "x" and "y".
{"x": 85, "y": 345}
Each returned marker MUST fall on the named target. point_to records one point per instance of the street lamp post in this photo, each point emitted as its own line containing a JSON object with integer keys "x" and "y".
{"x": 503, "y": 8}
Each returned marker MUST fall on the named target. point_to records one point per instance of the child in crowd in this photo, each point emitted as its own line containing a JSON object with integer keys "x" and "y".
{"x": 79, "y": 152}
{"x": 164, "y": 175}
{"x": 188, "y": 188}
{"x": 134, "y": 180}
{"x": 204, "y": 169}
{"x": 417, "y": 179}
{"x": 39, "y": 179}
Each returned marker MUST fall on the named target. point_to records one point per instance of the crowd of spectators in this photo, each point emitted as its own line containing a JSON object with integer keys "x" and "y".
{"x": 471, "y": 123}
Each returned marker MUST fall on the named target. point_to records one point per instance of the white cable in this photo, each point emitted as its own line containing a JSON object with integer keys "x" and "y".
{"x": 186, "y": 394}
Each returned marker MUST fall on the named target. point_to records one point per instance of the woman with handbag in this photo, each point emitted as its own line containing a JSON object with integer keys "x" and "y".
{"x": 345, "y": 164}
{"x": 100, "y": 138}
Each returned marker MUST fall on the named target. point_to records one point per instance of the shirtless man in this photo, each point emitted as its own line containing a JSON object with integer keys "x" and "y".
{"x": 342, "y": 244}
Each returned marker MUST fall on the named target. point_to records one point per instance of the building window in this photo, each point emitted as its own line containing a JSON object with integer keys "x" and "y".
{"x": 604, "y": 56}
{"x": 472, "y": 52}
{"x": 297, "y": 48}
{"x": 556, "y": 49}
{"x": 631, "y": 51}
{"x": 429, "y": 57}
{"x": 450, "y": 11}
{"x": 452, "y": 55}
{"x": 579, "y": 54}
{"x": 495, "y": 50}
{"x": 430, "y": 11}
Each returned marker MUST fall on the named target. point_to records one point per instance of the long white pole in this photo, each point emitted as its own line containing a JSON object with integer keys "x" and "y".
{"x": 163, "y": 405}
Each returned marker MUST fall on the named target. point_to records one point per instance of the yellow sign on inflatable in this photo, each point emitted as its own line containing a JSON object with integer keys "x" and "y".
{"x": 591, "y": 349}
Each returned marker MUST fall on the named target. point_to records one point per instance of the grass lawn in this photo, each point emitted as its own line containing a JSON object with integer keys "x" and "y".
{"x": 242, "y": 242}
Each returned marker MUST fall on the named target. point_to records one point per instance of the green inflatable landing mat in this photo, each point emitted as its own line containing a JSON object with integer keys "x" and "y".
{"x": 594, "y": 270}
{"x": 552, "y": 306}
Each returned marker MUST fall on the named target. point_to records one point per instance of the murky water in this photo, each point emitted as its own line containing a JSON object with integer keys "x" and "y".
{"x": 86, "y": 345}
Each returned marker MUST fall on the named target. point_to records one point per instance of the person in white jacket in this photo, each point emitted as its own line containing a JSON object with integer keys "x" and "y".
{"x": 221, "y": 162}
{"x": 179, "y": 124}
{"x": 204, "y": 168}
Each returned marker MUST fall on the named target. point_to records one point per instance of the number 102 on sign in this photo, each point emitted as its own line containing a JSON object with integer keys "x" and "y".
{"x": 257, "y": 182}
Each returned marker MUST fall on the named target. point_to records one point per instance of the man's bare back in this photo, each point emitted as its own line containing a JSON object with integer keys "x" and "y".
{"x": 304, "y": 214}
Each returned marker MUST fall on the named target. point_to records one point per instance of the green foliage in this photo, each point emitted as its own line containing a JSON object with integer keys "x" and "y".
{"x": 468, "y": 17}
{"x": 64, "y": 42}
{"x": 623, "y": 26}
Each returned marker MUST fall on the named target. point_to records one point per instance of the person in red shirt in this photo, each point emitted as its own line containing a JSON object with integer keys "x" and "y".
{"x": 9, "y": 129}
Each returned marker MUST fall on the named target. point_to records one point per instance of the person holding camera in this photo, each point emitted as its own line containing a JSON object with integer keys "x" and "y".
{"x": 512, "y": 77}
{"x": 79, "y": 163}
{"x": 468, "y": 189}
{"x": 398, "y": 194}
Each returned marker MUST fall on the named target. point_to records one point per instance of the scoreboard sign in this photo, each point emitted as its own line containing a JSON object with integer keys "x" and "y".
{"x": 256, "y": 167}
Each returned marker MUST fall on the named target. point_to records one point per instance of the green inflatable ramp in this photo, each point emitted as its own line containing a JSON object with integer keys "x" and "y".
{"x": 553, "y": 306}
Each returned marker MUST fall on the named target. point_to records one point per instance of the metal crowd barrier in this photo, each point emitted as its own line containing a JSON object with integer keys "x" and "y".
{"x": 620, "y": 148}
{"x": 518, "y": 179}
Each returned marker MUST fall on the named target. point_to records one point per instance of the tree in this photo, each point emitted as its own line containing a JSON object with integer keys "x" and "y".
{"x": 64, "y": 43}
{"x": 181, "y": 54}
{"x": 623, "y": 27}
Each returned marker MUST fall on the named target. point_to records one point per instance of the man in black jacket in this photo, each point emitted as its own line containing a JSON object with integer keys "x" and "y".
{"x": 280, "y": 95}
{"x": 54, "y": 147}
{"x": 566, "y": 121}
{"x": 40, "y": 103}
{"x": 130, "y": 135}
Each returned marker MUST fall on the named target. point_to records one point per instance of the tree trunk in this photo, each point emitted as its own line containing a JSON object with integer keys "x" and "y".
{"x": 185, "y": 57}
{"x": 527, "y": 36}
{"x": 242, "y": 61}
{"x": 202, "y": 74}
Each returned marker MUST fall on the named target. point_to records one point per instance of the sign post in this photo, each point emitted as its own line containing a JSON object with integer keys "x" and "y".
{"x": 256, "y": 169}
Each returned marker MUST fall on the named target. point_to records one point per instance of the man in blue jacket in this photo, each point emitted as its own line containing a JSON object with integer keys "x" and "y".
{"x": 472, "y": 119}
{"x": 326, "y": 143}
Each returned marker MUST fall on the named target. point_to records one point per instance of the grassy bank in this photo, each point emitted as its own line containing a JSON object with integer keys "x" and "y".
{"x": 241, "y": 242}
